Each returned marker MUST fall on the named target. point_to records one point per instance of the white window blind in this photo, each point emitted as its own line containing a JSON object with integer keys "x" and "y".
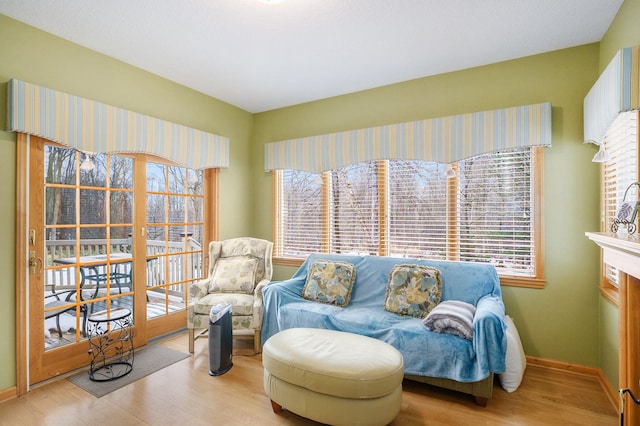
{"x": 621, "y": 142}
{"x": 417, "y": 209}
{"x": 354, "y": 209}
{"x": 300, "y": 227}
{"x": 411, "y": 209}
{"x": 495, "y": 205}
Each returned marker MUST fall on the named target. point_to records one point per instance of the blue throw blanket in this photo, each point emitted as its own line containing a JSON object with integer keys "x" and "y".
{"x": 425, "y": 352}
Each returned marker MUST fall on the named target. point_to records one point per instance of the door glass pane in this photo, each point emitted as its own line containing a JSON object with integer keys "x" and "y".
{"x": 121, "y": 172}
{"x": 121, "y": 210}
{"x": 195, "y": 182}
{"x": 176, "y": 209}
{"x": 60, "y": 205}
{"x": 93, "y": 169}
{"x": 156, "y": 208}
{"x": 92, "y": 206}
{"x": 194, "y": 209}
{"x": 156, "y": 177}
{"x": 177, "y": 179}
{"x": 59, "y": 165}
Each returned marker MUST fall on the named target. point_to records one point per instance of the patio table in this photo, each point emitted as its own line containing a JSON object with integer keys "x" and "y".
{"x": 93, "y": 270}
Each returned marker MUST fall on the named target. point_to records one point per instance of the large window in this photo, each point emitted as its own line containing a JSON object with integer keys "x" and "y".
{"x": 618, "y": 173}
{"x": 488, "y": 212}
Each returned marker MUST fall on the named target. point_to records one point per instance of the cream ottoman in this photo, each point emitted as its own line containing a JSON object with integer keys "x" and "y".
{"x": 333, "y": 377}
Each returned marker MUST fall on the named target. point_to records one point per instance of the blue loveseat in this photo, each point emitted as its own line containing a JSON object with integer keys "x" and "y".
{"x": 439, "y": 359}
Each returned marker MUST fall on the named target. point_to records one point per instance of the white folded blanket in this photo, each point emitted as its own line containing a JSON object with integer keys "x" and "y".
{"x": 453, "y": 317}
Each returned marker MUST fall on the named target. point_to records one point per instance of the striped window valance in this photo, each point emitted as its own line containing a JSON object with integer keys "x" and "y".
{"x": 92, "y": 126}
{"x": 615, "y": 91}
{"x": 443, "y": 140}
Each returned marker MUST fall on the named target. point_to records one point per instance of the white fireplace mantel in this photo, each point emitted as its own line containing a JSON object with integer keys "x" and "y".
{"x": 620, "y": 250}
{"x": 623, "y": 242}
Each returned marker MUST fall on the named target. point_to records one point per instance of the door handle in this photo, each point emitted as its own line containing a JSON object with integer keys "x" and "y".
{"x": 33, "y": 262}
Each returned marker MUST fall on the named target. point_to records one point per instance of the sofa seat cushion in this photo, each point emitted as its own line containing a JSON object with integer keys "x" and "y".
{"x": 427, "y": 350}
{"x": 334, "y": 362}
{"x": 241, "y": 304}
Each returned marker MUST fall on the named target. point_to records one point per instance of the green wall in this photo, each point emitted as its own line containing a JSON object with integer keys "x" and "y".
{"x": 566, "y": 310}
{"x": 566, "y": 321}
{"x": 35, "y": 56}
{"x": 623, "y": 32}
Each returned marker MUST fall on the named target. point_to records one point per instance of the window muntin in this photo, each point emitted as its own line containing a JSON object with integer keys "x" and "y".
{"x": 406, "y": 208}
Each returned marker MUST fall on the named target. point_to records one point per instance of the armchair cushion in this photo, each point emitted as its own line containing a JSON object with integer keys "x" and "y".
{"x": 234, "y": 275}
{"x": 241, "y": 304}
{"x": 412, "y": 290}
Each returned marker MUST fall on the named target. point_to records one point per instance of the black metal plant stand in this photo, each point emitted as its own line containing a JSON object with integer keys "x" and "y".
{"x": 110, "y": 344}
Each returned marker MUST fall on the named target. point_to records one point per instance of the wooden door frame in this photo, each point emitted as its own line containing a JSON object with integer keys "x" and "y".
{"x": 22, "y": 215}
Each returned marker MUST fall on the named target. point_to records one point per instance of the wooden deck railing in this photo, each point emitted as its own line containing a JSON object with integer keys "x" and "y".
{"x": 163, "y": 267}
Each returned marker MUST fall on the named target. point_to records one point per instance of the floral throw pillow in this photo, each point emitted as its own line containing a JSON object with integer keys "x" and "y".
{"x": 413, "y": 290}
{"x": 234, "y": 275}
{"x": 330, "y": 282}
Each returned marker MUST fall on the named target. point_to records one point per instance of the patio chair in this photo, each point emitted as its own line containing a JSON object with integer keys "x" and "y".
{"x": 61, "y": 306}
{"x": 238, "y": 270}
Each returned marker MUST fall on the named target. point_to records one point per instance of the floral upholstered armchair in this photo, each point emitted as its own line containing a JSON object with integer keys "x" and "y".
{"x": 238, "y": 270}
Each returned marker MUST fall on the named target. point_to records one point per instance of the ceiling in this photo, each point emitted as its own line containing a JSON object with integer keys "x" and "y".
{"x": 260, "y": 56}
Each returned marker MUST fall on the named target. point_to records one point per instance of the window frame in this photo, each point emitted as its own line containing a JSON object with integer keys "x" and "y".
{"x": 609, "y": 289}
{"x": 537, "y": 195}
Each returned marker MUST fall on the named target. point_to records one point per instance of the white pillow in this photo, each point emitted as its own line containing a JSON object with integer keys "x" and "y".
{"x": 515, "y": 359}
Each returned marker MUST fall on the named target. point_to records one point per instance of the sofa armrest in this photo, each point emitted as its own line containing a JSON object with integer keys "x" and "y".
{"x": 489, "y": 337}
{"x": 275, "y": 295}
{"x": 199, "y": 289}
{"x": 294, "y": 285}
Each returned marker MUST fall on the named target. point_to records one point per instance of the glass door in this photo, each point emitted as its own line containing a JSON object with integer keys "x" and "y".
{"x": 106, "y": 232}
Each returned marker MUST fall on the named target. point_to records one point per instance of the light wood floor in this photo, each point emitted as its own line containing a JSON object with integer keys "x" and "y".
{"x": 185, "y": 394}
